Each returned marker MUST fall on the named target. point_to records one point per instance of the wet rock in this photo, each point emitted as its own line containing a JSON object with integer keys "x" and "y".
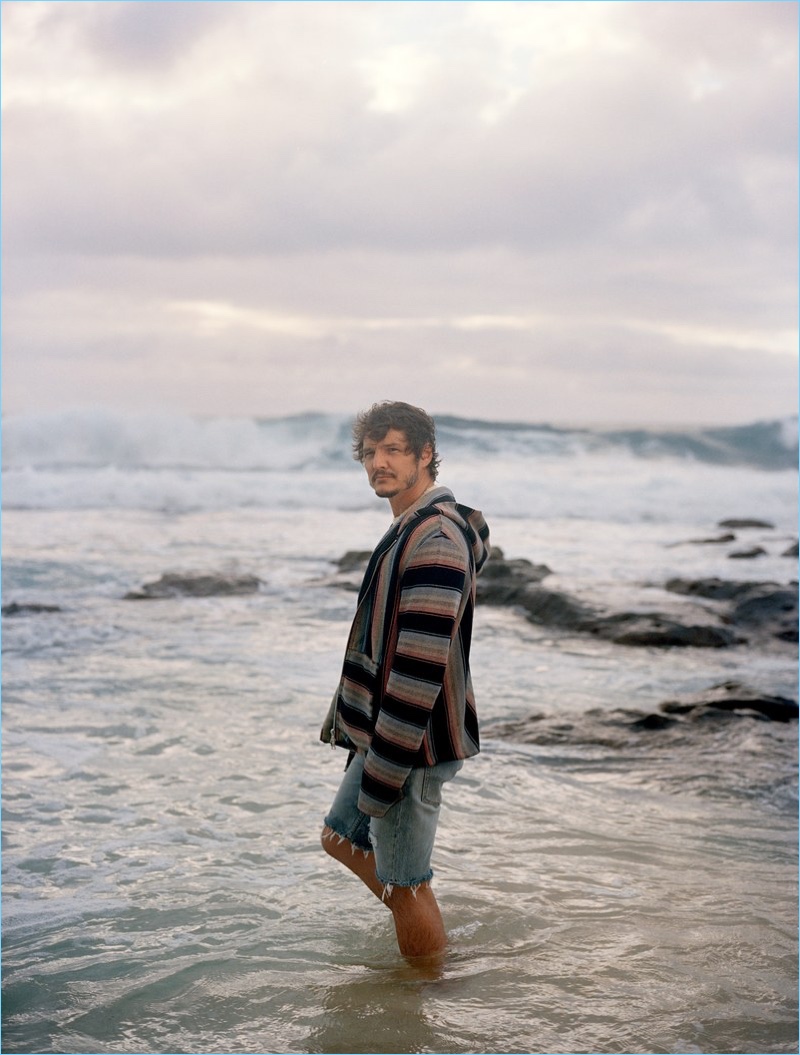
{"x": 770, "y": 611}
{"x": 769, "y": 608}
{"x": 196, "y": 584}
{"x": 622, "y": 728}
{"x": 353, "y": 560}
{"x": 349, "y": 571}
{"x": 540, "y": 604}
{"x": 766, "y": 609}
{"x": 748, "y": 554}
{"x": 733, "y": 696}
{"x": 745, "y": 522}
{"x": 28, "y": 608}
{"x": 792, "y": 551}
{"x": 653, "y": 721}
{"x": 499, "y": 569}
{"x": 517, "y": 584}
{"x": 555, "y": 608}
{"x": 713, "y": 589}
{"x": 656, "y": 631}
{"x": 704, "y": 541}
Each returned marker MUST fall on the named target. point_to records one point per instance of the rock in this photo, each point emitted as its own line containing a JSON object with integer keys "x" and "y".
{"x": 769, "y": 608}
{"x": 517, "y": 584}
{"x": 498, "y": 569}
{"x": 745, "y": 522}
{"x": 713, "y": 589}
{"x": 554, "y": 608}
{"x": 657, "y": 631}
{"x": 791, "y": 551}
{"x": 765, "y": 608}
{"x": 28, "y": 608}
{"x": 541, "y": 605}
{"x": 653, "y": 721}
{"x": 354, "y": 559}
{"x": 195, "y": 584}
{"x": 748, "y": 554}
{"x": 704, "y": 541}
{"x": 733, "y": 696}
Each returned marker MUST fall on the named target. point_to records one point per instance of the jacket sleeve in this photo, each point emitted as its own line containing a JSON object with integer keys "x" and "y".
{"x": 430, "y": 598}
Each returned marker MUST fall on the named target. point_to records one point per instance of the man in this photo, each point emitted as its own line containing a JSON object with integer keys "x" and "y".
{"x": 404, "y": 707}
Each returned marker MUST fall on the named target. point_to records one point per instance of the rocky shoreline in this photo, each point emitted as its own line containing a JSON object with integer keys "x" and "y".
{"x": 715, "y": 613}
{"x": 710, "y": 709}
{"x": 693, "y": 613}
{"x": 706, "y": 613}
{"x": 734, "y": 612}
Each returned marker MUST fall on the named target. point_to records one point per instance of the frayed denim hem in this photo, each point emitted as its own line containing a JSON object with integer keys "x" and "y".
{"x": 413, "y": 886}
{"x": 334, "y": 833}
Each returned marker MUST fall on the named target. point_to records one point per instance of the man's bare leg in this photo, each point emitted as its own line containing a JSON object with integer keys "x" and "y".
{"x": 417, "y": 919}
{"x": 359, "y": 863}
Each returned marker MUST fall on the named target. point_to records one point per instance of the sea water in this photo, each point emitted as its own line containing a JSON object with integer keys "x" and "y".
{"x": 604, "y": 889}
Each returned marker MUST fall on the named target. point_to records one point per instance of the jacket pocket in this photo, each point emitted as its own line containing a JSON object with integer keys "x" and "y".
{"x": 434, "y": 777}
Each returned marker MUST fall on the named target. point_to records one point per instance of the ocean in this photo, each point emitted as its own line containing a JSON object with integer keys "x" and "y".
{"x": 606, "y": 887}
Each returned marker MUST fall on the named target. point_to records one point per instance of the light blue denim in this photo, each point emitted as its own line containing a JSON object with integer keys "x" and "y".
{"x": 402, "y": 839}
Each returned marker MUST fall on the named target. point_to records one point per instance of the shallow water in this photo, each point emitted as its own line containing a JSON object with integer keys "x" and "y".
{"x": 164, "y": 888}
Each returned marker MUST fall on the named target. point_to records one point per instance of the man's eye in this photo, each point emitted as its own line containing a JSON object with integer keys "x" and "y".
{"x": 393, "y": 450}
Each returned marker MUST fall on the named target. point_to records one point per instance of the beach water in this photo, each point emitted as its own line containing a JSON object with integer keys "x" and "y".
{"x": 605, "y": 888}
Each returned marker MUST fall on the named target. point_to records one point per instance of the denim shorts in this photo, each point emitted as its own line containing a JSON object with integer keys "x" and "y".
{"x": 402, "y": 839}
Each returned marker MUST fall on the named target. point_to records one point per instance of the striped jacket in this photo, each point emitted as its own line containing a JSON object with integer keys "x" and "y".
{"x": 405, "y": 695}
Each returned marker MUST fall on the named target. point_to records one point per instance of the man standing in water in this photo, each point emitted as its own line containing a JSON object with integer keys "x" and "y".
{"x": 404, "y": 707}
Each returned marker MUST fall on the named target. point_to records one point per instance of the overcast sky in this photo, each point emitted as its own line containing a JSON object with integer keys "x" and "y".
{"x": 553, "y": 212}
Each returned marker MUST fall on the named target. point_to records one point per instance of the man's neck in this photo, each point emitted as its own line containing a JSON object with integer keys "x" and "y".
{"x": 404, "y": 503}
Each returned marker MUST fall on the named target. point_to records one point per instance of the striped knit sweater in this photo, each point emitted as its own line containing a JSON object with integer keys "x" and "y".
{"x": 405, "y": 697}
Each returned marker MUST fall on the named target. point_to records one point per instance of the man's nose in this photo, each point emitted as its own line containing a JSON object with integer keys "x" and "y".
{"x": 380, "y": 461}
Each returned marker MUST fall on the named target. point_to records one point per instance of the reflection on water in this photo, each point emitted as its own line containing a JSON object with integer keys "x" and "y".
{"x": 379, "y": 1011}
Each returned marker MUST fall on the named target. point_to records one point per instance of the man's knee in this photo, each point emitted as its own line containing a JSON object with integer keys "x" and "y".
{"x": 408, "y": 899}
{"x": 328, "y": 838}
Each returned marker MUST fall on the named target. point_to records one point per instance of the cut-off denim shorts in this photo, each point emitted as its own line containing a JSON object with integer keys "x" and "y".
{"x": 402, "y": 839}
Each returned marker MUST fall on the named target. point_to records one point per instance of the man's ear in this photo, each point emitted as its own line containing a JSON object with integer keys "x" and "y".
{"x": 426, "y": 457}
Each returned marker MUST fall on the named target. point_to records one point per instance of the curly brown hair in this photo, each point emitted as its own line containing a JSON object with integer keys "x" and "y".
{"x": 419, "y": 429}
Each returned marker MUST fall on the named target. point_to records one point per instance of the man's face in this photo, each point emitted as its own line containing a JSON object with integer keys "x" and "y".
{"x": 393, "y": 470}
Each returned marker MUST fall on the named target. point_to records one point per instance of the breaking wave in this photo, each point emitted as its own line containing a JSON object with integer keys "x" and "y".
{"x": 102, "y": 439}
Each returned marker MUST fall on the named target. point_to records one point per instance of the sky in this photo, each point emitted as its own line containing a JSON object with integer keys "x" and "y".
{"x": 563, "y": 212}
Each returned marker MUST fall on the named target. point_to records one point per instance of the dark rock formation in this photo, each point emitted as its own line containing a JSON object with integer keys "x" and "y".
{"x": 195, "y": 584}
{"x": 623, "y": 728}
{"x": 23, "y": 608}
{"x": 517, "y": 584}
{"x": 748, "y": 554}
{"x": 744, "y": 610}
{"x": 658, "y": 631}
{"x": 792, "y": 551}
{"x": 500, "y": 570}
{"x": 745, "y": 522}
{"x": 713, "y": 589}
{"x": 729, "y": 537}
{"x": 768, "y": 608}
{"x": 763, "y": 608}
{"x": 733, "y": 696}
{"x": 354, "y": 560}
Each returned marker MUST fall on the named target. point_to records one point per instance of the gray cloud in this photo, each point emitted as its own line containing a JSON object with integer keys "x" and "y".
{"x": 626, "y": 172}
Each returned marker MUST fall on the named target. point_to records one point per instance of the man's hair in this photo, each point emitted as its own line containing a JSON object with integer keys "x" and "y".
{"x": 418, "y": 427}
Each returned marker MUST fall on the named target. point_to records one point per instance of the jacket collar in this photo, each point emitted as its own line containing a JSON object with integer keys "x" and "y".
{"x": 430, "y": 498}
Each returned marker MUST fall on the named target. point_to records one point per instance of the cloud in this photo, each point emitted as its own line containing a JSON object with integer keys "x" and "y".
{"x": 257, "y": 146}
{"x": 220, "y": 180}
